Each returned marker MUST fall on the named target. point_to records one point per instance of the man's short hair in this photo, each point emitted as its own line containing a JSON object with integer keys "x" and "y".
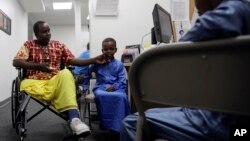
{"x": 36, "y": 26}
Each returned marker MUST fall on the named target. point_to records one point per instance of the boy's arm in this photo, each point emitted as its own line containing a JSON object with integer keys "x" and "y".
{"x": 121, "y": 83}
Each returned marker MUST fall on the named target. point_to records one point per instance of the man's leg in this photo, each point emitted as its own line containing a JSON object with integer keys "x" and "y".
{"x": 174, "y": 124}
{"x": 128, "y": 128}
{"x": 61, "y": 93}
{"x": 65, "y": 100}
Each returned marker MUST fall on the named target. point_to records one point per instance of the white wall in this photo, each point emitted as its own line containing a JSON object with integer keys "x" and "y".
{"x": 133, "y": 21}
{"x": 10, "y": 44}
{"x": 66, "y": 35}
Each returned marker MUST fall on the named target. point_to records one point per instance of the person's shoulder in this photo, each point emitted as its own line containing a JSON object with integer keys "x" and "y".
{"x": 86, "y": 52}
{"x": 29, "y": 43}
{"x": 237, "y": 2}
{"x": 235, "y": 5}
{"x": 56, "y": 43}
{"x": 229, "y": 9}
{"x": 242, "y": 6}
{"x": 118, "y": 62}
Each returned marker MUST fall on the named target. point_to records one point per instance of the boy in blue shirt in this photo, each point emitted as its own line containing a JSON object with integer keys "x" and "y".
{"x": 110, "y": 88}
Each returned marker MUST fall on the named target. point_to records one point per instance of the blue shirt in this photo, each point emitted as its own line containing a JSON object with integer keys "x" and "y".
{"x": 112, "y": 73}
{"x": 83, "y": 69}
{"x": 231, "y": 18}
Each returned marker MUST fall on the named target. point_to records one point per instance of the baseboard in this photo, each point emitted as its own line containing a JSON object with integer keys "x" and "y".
{"x": 4, "y": 102}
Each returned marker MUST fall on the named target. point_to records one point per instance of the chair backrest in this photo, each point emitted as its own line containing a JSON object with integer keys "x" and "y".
{"x": 213, "y": 75}
{"x": 92, "y": 82}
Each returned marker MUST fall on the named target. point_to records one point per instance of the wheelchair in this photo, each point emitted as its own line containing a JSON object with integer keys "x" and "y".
{"x": 20, "y": 101}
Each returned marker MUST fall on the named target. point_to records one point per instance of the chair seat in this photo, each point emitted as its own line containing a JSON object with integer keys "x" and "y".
{"x": 90, "y": 98}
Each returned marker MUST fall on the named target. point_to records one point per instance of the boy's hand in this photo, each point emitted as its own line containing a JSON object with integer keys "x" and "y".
{"x": 110, "y": 88}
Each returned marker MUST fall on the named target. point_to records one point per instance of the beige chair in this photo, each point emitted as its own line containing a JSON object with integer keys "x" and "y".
{"x": 89, "y": 99}
{"x": 212, "y": 75}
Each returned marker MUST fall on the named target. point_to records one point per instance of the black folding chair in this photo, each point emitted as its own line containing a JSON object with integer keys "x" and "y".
{"x": 212, "y": 75}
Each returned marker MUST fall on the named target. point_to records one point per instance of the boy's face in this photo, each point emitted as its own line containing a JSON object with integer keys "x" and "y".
{"x": 109, "y": 49}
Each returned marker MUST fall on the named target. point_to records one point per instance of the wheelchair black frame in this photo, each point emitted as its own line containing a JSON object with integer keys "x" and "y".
{"x": 20, "y": 101}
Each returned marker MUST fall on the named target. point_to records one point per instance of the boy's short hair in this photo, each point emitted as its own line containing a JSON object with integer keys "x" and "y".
{"x": 109, "y": 40}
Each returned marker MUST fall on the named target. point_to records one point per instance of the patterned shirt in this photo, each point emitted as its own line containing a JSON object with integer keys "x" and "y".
{"x": 54, "y": 54}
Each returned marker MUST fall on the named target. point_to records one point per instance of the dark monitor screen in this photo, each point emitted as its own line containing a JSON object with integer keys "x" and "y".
{"x": 162, "y": 24}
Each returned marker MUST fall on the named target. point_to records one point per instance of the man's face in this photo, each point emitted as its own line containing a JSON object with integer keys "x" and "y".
{"x": 44, "y": 34}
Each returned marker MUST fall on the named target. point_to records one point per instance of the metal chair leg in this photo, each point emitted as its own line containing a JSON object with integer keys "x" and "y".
{"x": 86, "y": 113}
{"x": 89, "y": 115}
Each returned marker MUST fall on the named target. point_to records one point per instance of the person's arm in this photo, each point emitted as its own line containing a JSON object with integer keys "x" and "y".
{"x": 121, "y": 81}
{"x": 69, "y": 59}
{"x": 82, "y": 62}
{"x": 23, "y": 55}
{"x": 29, "y": 65}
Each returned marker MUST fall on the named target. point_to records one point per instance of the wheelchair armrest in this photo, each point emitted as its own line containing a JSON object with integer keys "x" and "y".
{"x": 21, "y": 72}
{"x": 71, "y": 68}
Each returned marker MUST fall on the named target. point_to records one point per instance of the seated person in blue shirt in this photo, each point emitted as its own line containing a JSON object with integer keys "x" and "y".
{"x": 82, "y": 72}
{"x": 110, "y": 88}
{"x": 218, "y": 19}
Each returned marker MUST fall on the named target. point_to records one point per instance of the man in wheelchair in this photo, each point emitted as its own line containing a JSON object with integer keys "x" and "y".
{"x": 44, "y": 80}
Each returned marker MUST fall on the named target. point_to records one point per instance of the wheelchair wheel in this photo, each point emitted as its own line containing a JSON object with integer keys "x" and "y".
{"x": 21, "y": 126}
{"x": 14, "y": 102}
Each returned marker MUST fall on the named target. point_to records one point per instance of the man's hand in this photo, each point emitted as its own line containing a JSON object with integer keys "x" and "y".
{"x": 45, "y": 68}
{"x": 30, "y": 65}
{"x": 100, "y": 59}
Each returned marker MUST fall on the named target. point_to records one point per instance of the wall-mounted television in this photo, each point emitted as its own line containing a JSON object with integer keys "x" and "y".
{"x": 162, "y": 24}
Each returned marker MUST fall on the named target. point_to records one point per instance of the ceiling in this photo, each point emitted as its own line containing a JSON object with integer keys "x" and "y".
{"x": 43, "y": 10}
